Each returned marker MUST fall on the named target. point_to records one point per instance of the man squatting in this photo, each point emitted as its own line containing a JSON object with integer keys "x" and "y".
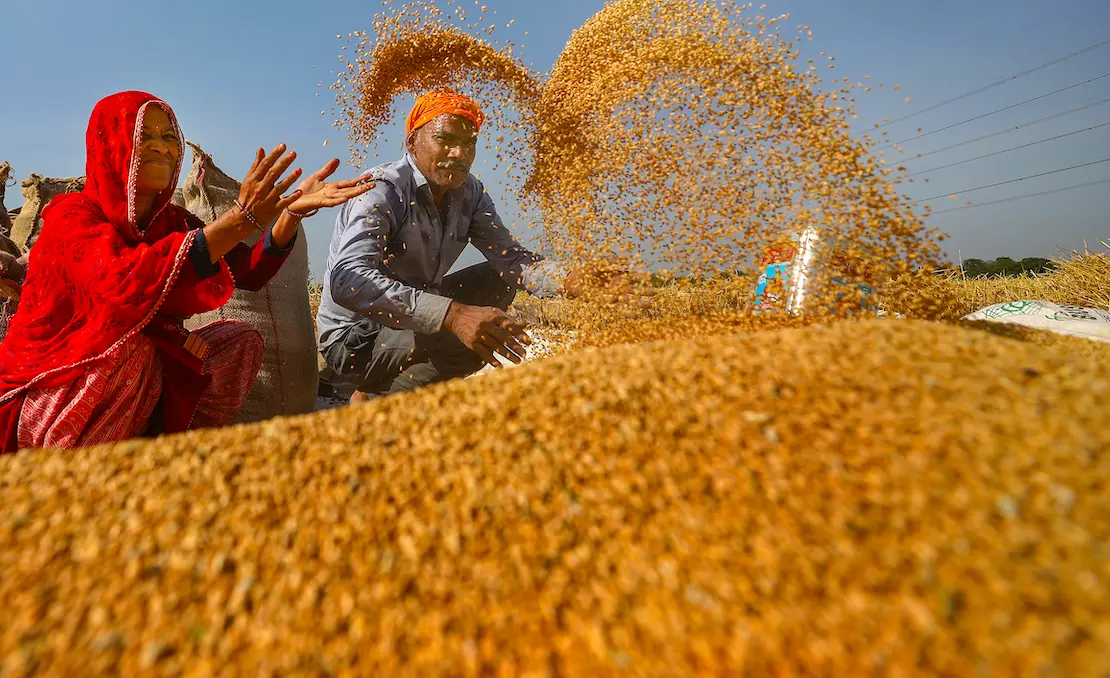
{"x": 391, "y": 320}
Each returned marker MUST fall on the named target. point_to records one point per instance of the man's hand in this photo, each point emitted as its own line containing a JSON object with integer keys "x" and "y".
{"x": 487, "y": 331}
{"x": 607, "y": 285}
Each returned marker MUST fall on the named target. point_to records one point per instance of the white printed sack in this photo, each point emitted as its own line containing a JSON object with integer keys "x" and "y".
{"x": 1077, "y": 321}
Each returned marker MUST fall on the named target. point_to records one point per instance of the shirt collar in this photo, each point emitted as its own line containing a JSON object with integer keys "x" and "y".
{"x": 417, "y": 176}
{"x": 421, "y": 181}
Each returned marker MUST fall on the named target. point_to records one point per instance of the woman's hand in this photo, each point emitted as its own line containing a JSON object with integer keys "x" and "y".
{"x": 260, "y": 193}
{"x": 316, "y": 193}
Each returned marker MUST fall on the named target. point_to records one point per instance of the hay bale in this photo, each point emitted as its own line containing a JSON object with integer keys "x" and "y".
{"x": 867, "y": 498}
{"x": 287, "y": 382}
{"x": 37, "y": 194}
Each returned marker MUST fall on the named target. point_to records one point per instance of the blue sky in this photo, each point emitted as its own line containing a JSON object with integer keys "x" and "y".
{"x": 245, "y": 74}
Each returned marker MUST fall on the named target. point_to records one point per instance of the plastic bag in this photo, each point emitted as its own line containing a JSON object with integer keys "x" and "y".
{"x": 1076, "y": 321}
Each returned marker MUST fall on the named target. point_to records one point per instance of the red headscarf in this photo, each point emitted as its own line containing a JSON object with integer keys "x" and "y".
{"x": 434, "y": 104}
{"x": 95, "y": 277}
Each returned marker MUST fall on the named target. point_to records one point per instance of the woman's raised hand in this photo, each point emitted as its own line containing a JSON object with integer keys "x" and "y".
{"x": 260, "y": 193}
{"x": 316, "y": 192}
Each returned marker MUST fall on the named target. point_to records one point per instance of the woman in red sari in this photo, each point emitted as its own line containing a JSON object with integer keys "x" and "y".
{"x": 97, "y": 351}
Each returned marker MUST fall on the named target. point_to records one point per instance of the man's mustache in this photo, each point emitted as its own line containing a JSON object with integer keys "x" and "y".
{"x": 453, "y": 164}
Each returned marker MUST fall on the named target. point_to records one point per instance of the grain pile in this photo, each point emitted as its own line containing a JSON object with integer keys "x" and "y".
{"x": 418, "y": 47}
{"x": 671, "y": 136}
{"x": 747, "y": 495}
{"x": 721, "y": 306}
{"x": 688, "y": 135}
{"x": 657, "y": 509}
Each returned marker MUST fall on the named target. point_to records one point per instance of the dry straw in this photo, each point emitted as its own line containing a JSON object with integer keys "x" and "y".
{"x": 1078, "y": 279}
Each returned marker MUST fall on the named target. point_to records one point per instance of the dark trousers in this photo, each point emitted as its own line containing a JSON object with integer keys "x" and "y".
{"x": 381, "y": 360}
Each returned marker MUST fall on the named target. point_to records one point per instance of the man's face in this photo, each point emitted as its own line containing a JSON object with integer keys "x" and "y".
{"x": 444, "y": 150}
{"x": 159, "y": 154}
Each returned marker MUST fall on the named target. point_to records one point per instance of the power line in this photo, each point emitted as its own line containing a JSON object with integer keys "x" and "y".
{"x": 1012, "y": 129}
{"x": 1003, "y": 81}
{"x": 1022, "y": 197}
{"x": 1014, "y": 148}
{"x": 990, "y": 113}
{"x": 1012, "y": 181}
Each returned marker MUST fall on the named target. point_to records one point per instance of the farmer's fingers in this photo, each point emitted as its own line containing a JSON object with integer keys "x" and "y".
{"x": 504, "y": 338}
{"x": 486, "y": 354}
{"x": 517, "y": 327}
{"x": 493, "y": 344}
{"x": 519, "y": 332}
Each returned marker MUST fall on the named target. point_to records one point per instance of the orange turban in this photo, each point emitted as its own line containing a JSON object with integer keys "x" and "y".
{"x": 434, "y": 104}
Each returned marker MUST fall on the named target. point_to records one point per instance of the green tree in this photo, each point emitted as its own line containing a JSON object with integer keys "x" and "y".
{"x": 1036, "y": 265}
{"x": 973, "y": 268}
{"x": 1006, "y": 266}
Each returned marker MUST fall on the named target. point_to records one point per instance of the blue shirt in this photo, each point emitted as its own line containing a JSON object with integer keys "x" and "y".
{"x": 390, "y": 251}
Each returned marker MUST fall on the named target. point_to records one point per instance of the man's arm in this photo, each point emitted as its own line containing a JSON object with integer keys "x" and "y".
{"x": 530, "y": 271}
{"x": 365, "y": 226}
{"x": 519, "y": 267}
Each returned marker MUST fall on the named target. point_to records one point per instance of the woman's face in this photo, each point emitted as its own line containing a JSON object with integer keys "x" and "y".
{"x": 159, "y": 152}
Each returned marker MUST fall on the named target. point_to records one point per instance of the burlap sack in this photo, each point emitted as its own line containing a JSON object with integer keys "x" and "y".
{"x": 5, "y": 177}
{"x": 287, "y": 382}
{"x": 37, "y": 194}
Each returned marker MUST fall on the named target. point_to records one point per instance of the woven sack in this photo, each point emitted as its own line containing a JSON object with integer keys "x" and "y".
{"x": 37, "y": 194}
{"x": 287, "y": 381}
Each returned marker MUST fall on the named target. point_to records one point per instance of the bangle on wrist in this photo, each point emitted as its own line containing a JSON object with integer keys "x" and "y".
{"x": 250, "y": 217}
{"x": 302, "y": 215}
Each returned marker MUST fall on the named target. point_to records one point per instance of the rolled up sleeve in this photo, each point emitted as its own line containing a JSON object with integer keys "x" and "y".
{"x": 544, "y": 278}
{"x": 358, "y": 282}
{"x": 520, "y": 267}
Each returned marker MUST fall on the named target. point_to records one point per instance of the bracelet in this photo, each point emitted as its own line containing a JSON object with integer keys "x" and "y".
{"x": 303, "y": 215}
{"x": 248, "y": 215}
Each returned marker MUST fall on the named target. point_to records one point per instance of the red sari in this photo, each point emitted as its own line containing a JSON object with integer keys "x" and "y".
{"x": 98, "y": 340}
